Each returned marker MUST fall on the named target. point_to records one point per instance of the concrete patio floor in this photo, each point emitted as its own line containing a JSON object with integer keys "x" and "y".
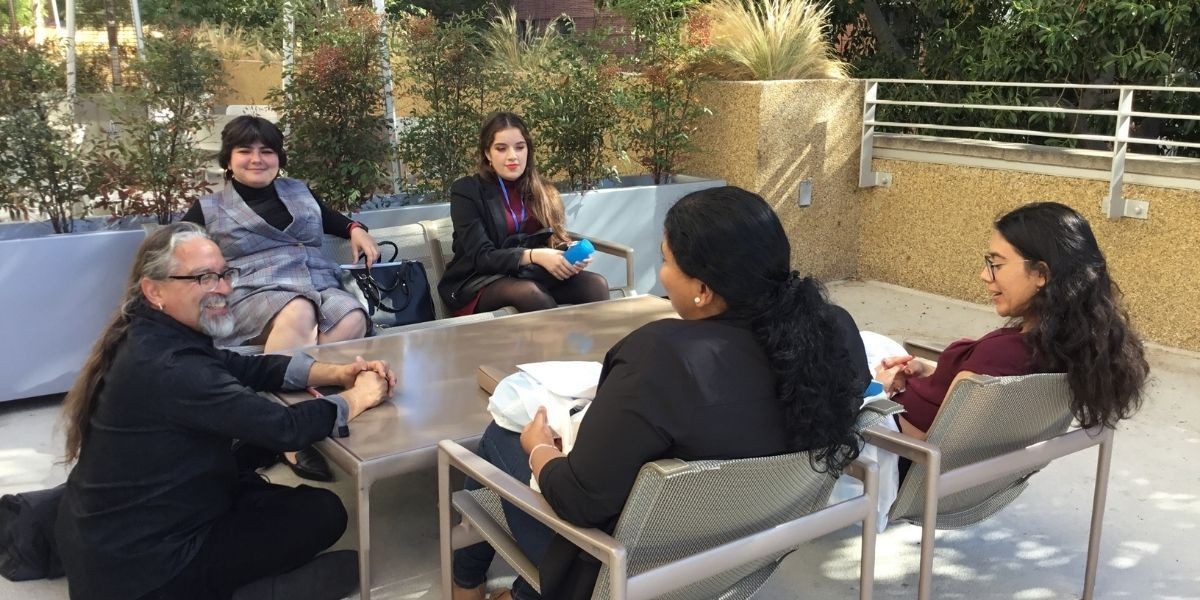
{"x": 1033, "y": 550}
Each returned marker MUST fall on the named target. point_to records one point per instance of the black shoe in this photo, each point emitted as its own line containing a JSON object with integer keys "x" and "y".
{"x": 329, "y": 576}
{"x": 309, "y": 465}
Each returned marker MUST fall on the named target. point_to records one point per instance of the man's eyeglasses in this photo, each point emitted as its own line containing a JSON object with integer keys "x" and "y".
{"x": 208, "y": 281}
{"x": 991, "y": 266}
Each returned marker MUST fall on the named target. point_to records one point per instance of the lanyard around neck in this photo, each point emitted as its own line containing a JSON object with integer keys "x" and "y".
{"x": 508, "y": 206}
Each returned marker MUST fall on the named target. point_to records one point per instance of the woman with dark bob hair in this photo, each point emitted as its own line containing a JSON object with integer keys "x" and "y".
{"x": 1046, "y": 274}
{"x": 758, "y": 364}
{"x": 510, "y": 232}
{"x": 271, "y": 227}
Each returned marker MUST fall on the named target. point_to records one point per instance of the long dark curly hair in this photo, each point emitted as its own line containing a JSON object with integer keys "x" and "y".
{"x": 731, "y": 240}
{"x": 1078, "y": 324}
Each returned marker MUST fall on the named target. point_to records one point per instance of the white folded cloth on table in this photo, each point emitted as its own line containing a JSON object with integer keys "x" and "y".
{"x": 565, "y": 388}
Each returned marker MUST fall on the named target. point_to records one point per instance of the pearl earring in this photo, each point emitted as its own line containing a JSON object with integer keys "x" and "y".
{"x": 696, "y": 300}
{"x": 160, "y": 306}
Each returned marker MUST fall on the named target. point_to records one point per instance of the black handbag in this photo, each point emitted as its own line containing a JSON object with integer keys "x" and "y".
{"x": 394, "y": 292}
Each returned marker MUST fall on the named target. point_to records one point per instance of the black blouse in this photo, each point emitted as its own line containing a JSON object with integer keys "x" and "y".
{"x": 691, "y": 390}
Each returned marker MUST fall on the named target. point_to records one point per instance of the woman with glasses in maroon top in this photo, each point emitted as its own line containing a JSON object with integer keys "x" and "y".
{"x": 1046, "y": 274}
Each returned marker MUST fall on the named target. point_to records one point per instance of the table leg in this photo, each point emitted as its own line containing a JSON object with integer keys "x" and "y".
{"x": 364, "y": 537}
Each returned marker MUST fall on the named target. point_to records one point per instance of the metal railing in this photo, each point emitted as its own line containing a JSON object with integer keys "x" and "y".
{"x": 1114, "y": 205}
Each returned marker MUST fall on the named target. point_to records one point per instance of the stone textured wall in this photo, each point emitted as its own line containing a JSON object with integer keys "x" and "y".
{"x": 769, "y": 136}
{"x": 929, "y": 230}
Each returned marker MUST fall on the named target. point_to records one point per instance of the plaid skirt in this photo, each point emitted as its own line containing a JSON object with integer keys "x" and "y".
{"x": 253, "y": 309}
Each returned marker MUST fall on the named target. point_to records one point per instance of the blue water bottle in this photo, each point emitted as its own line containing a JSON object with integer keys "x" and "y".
{"x": 579, "y": 251}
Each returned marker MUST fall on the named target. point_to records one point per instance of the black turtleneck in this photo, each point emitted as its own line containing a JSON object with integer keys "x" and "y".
{"x": 265, "y": 203}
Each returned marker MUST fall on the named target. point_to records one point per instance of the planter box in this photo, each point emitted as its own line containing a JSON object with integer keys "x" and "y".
{"x": 60, "y": 292}
{"x": 378, "y": 218}
{"x": 769, "y": 137}
{"x": 631, "y": 214}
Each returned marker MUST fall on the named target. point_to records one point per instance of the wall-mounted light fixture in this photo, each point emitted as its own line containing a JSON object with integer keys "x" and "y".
{"x": 804, "y": 198}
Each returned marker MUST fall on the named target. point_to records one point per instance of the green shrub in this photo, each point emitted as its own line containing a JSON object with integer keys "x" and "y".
{"x": 42, "y": 166}
{"x": 667, "y": 53}
{"x": 153, "y": 164}
{"x": 333, "y": 110}
{"x": 575, "y": 104}
{"x": 442, "y": 70}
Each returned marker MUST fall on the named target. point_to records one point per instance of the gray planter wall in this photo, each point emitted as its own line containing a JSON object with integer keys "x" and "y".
{"x": 631, "y": 215}
{"x": 59, "y": 292}
{"x": 402, "y": 215}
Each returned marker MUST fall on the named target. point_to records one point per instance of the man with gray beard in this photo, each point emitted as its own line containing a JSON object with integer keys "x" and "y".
{"x": 158, "y": 505}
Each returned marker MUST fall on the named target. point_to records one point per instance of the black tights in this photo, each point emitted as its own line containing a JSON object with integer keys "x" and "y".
{"x": 527, "y": 295}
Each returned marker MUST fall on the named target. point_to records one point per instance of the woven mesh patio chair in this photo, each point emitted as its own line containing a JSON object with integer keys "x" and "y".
{"x": 689, "y": 530}
{"x": 989, "y": 437}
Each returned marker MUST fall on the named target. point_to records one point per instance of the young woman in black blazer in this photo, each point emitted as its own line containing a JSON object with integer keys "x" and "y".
{"x": 509, "y": 232}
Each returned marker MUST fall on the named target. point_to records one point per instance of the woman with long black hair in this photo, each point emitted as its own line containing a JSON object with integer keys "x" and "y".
{"x": 759, "y": 364}
{"x": 1045, "y": 272}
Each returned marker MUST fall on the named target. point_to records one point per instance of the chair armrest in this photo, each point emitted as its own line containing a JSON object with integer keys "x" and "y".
{"x": 918, "y": 451}
{"x": 927, "y": 349}
{"x": 613, "y": 249}
{"x": 861, "y": 468}
{"x": 593, "y": 541}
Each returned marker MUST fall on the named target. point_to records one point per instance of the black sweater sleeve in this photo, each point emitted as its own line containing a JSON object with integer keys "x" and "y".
{"x": 206, "y": 395}
{"x": 194, "y": 214}
{"x": 619, "y": 434}
{"x": 332, "y": 222}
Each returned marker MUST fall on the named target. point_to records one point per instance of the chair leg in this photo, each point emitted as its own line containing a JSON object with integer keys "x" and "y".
{"x": 1103, "y": 462}
{"x": 866, "y": 568}
{"x": 933, "y": 470}
{"x": 444, "y": 525}
{"x": 617, "y": 579}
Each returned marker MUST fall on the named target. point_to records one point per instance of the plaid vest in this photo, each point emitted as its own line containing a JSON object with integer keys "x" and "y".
{"x": 269, "y": 258}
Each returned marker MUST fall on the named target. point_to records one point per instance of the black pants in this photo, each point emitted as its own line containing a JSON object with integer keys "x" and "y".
{"x": 270, "y": 530}
{"x": 541, "y": 293}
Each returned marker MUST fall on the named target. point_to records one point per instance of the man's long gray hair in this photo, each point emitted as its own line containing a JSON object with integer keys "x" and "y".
{"x": 155, "y": 260}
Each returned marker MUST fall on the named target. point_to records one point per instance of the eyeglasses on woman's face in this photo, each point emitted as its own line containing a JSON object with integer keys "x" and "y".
{"x": 992, "y": 267}
{"x": 209, "y": 281}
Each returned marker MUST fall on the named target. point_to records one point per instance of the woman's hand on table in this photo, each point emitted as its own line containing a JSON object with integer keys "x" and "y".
{"x": 363, "y": 245}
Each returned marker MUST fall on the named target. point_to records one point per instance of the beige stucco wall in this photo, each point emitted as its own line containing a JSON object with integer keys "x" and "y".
{"x": 248, "y": 81}
{"x": 929, "y": 230}
{"x": 768, "y": 137}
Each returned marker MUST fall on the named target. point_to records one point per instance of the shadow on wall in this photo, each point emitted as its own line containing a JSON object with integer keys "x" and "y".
{"x": 768, "y": 137}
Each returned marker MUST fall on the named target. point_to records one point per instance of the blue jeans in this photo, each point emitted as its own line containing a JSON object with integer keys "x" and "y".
{"x": 502, "y": 448}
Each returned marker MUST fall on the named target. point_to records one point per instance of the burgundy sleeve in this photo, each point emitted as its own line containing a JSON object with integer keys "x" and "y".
{"x": 1000, "y": 353}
